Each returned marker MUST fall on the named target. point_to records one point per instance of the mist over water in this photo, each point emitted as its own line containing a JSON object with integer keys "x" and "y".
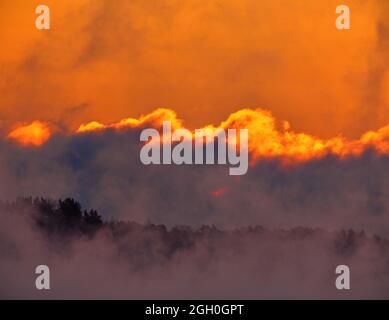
{"x": 133, "y": 261}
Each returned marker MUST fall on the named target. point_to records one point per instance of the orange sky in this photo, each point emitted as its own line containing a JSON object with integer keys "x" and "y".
{"x": 105, "y": 60}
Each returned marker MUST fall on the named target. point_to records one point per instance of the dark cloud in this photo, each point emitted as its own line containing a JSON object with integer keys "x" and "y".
{"x": 103, "y": 171}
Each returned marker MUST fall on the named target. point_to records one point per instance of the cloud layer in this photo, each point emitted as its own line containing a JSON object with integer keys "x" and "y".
{"x": 102, "y": 169}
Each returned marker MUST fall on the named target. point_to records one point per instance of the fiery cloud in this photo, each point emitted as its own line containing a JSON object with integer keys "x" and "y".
{"x": 268, "y": 138}
{"x": 34, "y": 134}
{"x": 154, "y": 119}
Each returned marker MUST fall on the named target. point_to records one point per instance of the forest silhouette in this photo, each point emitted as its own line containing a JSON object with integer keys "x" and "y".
{"x": 66, "y": 218}
{"x": 149, "y": 260}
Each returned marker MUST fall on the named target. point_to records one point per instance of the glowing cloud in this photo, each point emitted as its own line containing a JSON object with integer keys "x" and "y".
{"x": 268, "y": 138}
{"x": 153, "y": 119}
{"x": 34, "y": 134}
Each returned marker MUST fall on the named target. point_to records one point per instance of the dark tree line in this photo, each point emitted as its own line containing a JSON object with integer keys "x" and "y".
{"x": 66, "y": 218}
{"x": 62, "y": 216}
